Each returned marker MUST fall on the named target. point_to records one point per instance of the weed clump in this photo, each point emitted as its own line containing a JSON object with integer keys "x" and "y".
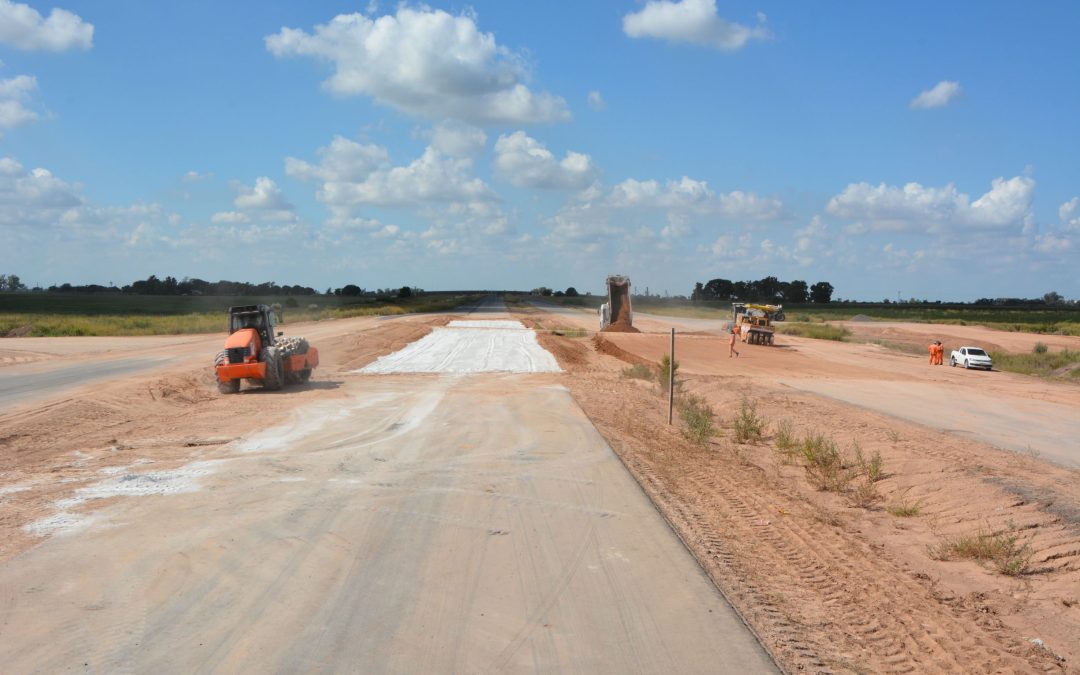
{"x": 824, "y": 464}
{"x": 749, "y": 424}
{"x": 1039, "y": 348}
{"x": 667, "y": 369}
{"x": 638, "y": 371}
{"x": 904, "y": 508}
{"x": 1002, "y": 550}
{"x": 698, "y": 417}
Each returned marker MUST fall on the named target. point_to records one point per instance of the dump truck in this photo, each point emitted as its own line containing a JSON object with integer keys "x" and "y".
{"x": 616, "y": 313}
{"x": 254, "y": 351}
{"x": 755, "y": 321}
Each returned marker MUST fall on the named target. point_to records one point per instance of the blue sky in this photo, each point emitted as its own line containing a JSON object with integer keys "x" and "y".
{"x": 921, "y": 148}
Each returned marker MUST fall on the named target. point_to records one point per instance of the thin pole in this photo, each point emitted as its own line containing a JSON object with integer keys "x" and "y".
{"x": 671, "y": 380}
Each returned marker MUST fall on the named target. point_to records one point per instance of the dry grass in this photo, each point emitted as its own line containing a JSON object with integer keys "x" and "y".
{"x": 698, "y": 419}
{"x": 903, "y": 507}
{"x": 824, "y": 464}
{"x": 639, "y": 371}
{"x": 749, "y": 424}
{"x": 1002, "y": 550}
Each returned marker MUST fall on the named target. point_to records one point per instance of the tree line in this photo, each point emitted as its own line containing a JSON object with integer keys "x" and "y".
{"x": 152, "y": 285}
{"x": 767, "y": 290}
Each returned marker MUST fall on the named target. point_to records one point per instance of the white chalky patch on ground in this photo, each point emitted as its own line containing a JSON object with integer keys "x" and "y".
{"x": 491, "y": 323}
{"x": 470, "y": 347}
{"x": 177, "y": 481}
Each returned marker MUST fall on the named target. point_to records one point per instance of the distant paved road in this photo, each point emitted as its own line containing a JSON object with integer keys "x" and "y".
{"x": 19, "y": 384}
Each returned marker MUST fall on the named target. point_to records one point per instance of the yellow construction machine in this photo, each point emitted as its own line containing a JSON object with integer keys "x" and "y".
{"x": 755, "y": 321}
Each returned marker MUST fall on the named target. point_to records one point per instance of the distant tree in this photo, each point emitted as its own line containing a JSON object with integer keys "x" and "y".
{"x": 351, "y": 290}
{"x": 797, "y": 291}
{"x": 821, "y": 292}
{"x": 1051, "y": 298}
{"x": 559, "y": 294}
{"x": 698, "y": 292}
{"x": 405, "y": 292}
{"x": 545, "y": 291}
{"x": 11, "y": 282}
{"x": 571, "y": 292}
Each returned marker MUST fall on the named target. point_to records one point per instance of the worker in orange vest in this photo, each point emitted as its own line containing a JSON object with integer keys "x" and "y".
{"x": 933, "y": 352}
{"x": 940, "y": 353}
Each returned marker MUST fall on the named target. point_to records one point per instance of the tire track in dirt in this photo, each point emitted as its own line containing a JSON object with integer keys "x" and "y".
{"x": 743, "y": 536}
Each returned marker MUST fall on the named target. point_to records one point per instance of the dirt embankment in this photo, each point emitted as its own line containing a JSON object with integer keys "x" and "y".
{"x": 155, "y": 422}
{"x": 831, "y": 586}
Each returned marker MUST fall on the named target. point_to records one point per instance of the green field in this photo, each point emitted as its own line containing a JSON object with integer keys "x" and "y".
{"x": 57, "y": 314}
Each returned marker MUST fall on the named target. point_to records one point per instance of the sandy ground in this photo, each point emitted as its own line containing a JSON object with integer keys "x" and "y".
{"x": 459, "y": 536}
{"x": 834, "y": 586}
{"x": 390, "y": 523}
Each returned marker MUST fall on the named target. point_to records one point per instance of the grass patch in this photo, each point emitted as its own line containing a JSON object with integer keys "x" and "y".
{"x": 166, "y": 315}
{"x": 1040, "y": 363}
{"x": 668, "y": 373}
{"x": 639, "y": 371}
{"x": 749, "y": 424}
{"x": 905, "y": 508}
{"x": 817, "y": 331}
{"x": 824, "y": 463}
{"x": 698, "y": 419}
{"x": 784, "y": 436}
{"x": 1002, "y": 550}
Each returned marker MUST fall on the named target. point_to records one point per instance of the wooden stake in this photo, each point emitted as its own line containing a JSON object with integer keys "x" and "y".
{"x": 671, "y": 380}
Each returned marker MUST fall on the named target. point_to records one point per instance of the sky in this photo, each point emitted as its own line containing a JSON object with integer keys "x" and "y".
{"x": 914, "y": 150}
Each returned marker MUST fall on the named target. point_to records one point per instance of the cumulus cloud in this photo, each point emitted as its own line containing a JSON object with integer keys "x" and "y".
{"x": 14, "y": 93}
{"x": 457, "y": 139}
{"x": 940, "y": 95}
{"x": 231, "y": 217}
{"x": 33, "y": 198}
{"x": 1068, "y": 215}
{"x": 918, "y": 208}
{"x": 265, "y": 195}
{"x": 525, "y": 162}
{"x": 693, "y": 196}
{"x": 596, "y": 101}
{"x": 22, "y": 27}
{"x": 353, "y": 174}
{"x": 424, "y": 62}
{"x": 693, "y": 21}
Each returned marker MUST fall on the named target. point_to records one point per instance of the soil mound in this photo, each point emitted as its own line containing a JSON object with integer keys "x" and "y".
{"x": 621, "y": 327}
{"x": 605, "y": 347}
{"x": 571, "y": 354}
{"x": 861, "y": 317}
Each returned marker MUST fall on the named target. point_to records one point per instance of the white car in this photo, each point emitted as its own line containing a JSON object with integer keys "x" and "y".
{"x": 971, "y": 357}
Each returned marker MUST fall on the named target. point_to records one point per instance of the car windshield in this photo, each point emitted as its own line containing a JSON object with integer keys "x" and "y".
{"x": 975, "y": 351}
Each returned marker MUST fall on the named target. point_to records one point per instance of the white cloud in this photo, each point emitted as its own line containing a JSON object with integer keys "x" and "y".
{"x": 940, "y": 95}
{"x": 14, "y": 93}
{"x": 1068, "y": 215}
{"x": 231, "y": 217}
{"x": 457, "y": 139}
{"x": 525, "y": 162}
{"x": 596, "y": 101}
{"x": 1051, "y": 242}
{"x": 22, "y": 27}
{"x": 692, "y": 21}
{"x": 426, "y": 63}
{"x": 265, "y": 195}
{"x": 354, "y": 175}
{"x": 195, "y": 176}
{"x": 693, "y": 196}
{"x": 916, "y": 208}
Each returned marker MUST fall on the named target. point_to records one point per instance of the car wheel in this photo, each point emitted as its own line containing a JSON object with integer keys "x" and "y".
{"x": 966, "y": 365}
{"x": 952, "y": 362}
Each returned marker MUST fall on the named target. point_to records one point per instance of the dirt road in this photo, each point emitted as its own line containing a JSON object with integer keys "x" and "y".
{"x": 404, "y": 523}
{"x": 1006, "y": 410}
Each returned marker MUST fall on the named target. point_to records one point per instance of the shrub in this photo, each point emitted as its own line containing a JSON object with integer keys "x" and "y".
{"x": 638, "y": 371}
{"x": 749, "y": 424}
{"x": 1039, "y": 348}
{"x": 824, "y": 464}
{"x": 1001, "y": 549}
{"x": 667, "y": 370}
{"x": 697, "y": 415}
{"x": 865, "y": 493}
{"x": 784, "y": 437}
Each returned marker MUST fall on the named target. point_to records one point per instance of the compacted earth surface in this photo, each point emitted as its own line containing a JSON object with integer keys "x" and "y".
{"x": 444, "y": 496}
